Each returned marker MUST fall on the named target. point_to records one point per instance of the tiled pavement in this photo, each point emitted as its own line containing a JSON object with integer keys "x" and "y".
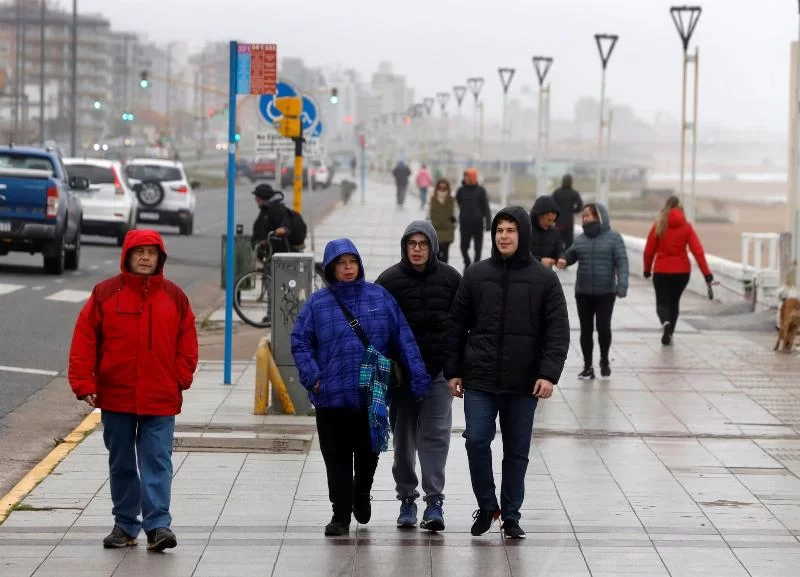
{"x": 685, "y": 463}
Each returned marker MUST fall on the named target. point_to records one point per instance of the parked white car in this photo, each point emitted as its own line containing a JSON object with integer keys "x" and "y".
{"x": 109, "y": 205}
{"x": 165, "y": 195}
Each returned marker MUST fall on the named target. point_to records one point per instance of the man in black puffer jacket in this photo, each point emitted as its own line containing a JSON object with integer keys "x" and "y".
{"x": 507, "y": 344}
{"x": 546, "y": 244}
{"x": 424, "y": 289}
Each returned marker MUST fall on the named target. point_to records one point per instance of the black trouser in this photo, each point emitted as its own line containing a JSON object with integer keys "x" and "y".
{"x": 591, "y": 307}
{"x": 346, "y": 447}
{"x": 567, "y": 233}
{"x": 669, "y": 288}
{"x": 444, "y": 251}
{"x": 468, "y": 235}
{"x": 402, "y": 189}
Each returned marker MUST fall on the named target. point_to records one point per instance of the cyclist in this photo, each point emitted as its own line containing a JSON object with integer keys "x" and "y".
{"x": 273, "y": 217}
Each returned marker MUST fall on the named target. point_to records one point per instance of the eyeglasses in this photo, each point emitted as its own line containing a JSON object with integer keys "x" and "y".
{"x": 421, "y": 244}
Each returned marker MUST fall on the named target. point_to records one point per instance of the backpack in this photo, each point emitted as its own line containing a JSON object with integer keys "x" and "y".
{"x": 298, "y": 228}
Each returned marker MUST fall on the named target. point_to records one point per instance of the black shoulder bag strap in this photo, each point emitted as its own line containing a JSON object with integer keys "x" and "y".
{"x": 352, "y": 321}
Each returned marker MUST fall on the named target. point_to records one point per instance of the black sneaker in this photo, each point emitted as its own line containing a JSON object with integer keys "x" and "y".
{"x": 587, "y": 374}
{"x": 118, "y": 539}
{"x": 483, "y": 521}
{"x": 337, "y": 528}
{"x": 605, "y": 369}
{"x": 160, "y": 539}
{"x": 666, "y": 336}
{"x": 362, "y": 508}
{"x": 512, "y": 530}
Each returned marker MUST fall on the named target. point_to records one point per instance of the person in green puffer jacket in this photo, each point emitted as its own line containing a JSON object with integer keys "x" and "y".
{"x": 442, "y": 216}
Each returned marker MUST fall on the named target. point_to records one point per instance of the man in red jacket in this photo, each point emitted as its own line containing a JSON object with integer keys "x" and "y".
{"x": 134, "y": 352}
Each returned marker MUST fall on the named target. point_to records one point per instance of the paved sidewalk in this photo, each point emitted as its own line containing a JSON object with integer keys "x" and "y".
{"x": 685, "y": 463}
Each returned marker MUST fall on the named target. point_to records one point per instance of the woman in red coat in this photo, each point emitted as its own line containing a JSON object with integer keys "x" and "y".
{"x": 666, "y": 245}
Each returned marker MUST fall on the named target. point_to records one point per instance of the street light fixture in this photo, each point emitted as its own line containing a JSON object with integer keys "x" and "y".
{"x": 97, "y": 105}
{"x": 605, "y": 46}
{"x": 685, "y": 19}
{"x": 460, "y": 91}
{"x": 444, "y": 99}
{"x": 542, "y": 65}
{"x": 506, "y": 76}
{"x": 794, "y": 174}
{"x": 475, "y": 85}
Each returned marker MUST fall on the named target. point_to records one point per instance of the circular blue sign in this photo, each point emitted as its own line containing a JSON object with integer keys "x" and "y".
{"x": 310, "y": 115}
{"x": 266, "y": 103}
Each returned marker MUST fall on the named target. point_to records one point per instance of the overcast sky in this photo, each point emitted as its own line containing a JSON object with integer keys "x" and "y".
{"x": 744, "y": 45}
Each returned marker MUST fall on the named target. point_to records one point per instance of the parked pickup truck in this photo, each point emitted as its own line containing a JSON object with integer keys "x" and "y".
{"x": 39, "y": 208}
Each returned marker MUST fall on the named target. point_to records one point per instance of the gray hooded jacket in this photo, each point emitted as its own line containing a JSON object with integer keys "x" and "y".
{"x": 601, "y": 257}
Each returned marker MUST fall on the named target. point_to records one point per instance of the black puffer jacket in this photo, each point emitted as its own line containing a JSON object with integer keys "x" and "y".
{"x": 424, "y": 297}
{"x": 509, "y": 324}
{"x": 545, "y": 243}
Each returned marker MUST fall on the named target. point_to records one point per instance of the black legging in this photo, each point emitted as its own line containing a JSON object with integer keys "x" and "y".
{"x": 444, "y": 251}
{"x": 669, "y": 288}
{"x": 468, "y": 234}
{"x": 600, "y": 307}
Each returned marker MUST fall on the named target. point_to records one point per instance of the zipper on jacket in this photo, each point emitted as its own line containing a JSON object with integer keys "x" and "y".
{"x": 499, "y": 365}
{"x": 150, "y": 327}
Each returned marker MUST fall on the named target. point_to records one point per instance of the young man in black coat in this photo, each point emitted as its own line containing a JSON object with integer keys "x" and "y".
{"x": 508, "y": 340}
{"x": 569, "y": 203}
{"x": 546, "y": 244}
{"x": 424, "y": 289}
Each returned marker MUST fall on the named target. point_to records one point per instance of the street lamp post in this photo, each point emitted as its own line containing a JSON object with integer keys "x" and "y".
{"x": 427, "y": 102}
{"x": 506, "y": 76}
{"x": 443, "y": 98}
{"x": 542, "y": 65}
{"x": 73, "y": 128}
{"x": 459, "y": 92}
{"x": 475, "y": 85}
{"x": 794, "y": 171}
{"x": 685, "y": 19}
{"x": 605, "y": 46}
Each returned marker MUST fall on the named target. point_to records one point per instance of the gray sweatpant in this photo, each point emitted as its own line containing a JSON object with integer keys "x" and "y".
{"x": 421, "y": 428}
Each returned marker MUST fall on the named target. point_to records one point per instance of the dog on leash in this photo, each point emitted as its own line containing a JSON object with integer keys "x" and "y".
{"x": 790, "y": 324}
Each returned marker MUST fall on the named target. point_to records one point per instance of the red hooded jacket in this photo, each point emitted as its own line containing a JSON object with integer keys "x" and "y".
{"x": 135, "y": 343}
{"x": 669, "y": 250}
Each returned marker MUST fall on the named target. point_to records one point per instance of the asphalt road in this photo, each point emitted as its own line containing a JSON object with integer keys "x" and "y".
{"x": 37, "y": 311}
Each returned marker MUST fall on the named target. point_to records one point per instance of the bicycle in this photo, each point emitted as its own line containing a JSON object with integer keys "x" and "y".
{"x": 251, "y": 296}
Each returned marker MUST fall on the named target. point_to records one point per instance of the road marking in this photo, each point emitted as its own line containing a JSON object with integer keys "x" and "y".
{"x": 38, "y": 288}
{"x": 69, "y": 296}
{"x": 10, "y": 288}
{"x": 108, "y": 262}
{"x": 94, "y": 267}
{"x": 59, "y": 281}
{"x": 28, "y": 371}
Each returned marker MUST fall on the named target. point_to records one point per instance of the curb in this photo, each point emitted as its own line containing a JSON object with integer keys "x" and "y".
{"x": 43, "y": 469}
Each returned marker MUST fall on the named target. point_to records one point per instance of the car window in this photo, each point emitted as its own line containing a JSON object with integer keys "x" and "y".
{"x": 95, "y": 174}
{"x": 153, "y": 172}
{"x": 21, "y": 160}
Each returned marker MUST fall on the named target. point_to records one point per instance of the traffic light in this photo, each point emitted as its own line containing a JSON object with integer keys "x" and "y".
{"x": 237, "y": 137}
{"x": 143, "y": 81}
{"x": 128, "y": 116}
{"x": 97, "y": 105}
{"x": 289, "y": 124}
{"x": 334, "y": 95}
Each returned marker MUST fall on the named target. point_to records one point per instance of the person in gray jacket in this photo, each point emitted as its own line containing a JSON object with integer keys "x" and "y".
{"x": 602, "y": 277}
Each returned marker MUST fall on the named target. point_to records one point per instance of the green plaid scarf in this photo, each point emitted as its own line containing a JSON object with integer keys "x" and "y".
{"x": 373, "y": 383}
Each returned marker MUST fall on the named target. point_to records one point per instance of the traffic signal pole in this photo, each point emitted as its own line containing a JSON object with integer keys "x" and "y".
{"x": 298, "y": 174}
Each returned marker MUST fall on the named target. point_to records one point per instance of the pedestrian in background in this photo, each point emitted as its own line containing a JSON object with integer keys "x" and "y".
{"x": 666, "y": 246}
{"x": 133, "y": 353}
{"x": 424, "y": 289}
{"x": 330, "y": 353}
{"x": 401, "y": 174}
{"x": 507, "y": 346}
{"x": 546, "y": 244}
{"x": 424, "y": 182}
{"x": 443, "y": 218}
{"x": 474, "y": 215}
{"x": 602, "y": 277}
{"x": 569, "y": 203}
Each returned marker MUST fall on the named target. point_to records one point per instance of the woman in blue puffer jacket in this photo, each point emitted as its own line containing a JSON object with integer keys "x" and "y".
{"x": 602, "y": 277}
{"x": 328, "y": 356}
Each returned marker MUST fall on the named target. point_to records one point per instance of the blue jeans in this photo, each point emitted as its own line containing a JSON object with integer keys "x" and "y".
{"x": 516, "y": 424}
{"x": 140, "y": 466}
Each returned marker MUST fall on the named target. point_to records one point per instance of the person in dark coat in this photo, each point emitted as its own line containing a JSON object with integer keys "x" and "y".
{"x": 401, "y": 174}
{"x": 546, "y": 244}
{"x": 442, "y": 216}
{"x": 508, "y": 341}
{"x": 424, "y": 289}
{"x": 273, "y": 217}
{"x": 474, "y": 215}
{"x": 569, "y": 203}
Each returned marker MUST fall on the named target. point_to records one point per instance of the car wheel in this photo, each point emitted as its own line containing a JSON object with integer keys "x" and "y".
{"x": 72, "y": 257}
{"x": 150, "y": 193}
{"x": 187, "y": 228}
{"x": 55, "y": 264}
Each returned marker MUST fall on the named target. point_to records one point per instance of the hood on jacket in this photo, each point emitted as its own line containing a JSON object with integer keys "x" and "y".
{"x": 676, "y": 218}
{"x": 421, "y": 227}
{"x": 602, "y": 212}
{"x": 523, "y": 220}
{"x": 333, "y": 250}
{"x": 136, "y": 238}
{"x": 545, "y": 204}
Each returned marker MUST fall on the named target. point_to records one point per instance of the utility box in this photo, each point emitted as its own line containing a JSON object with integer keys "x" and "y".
{"x": 292, "y": 278}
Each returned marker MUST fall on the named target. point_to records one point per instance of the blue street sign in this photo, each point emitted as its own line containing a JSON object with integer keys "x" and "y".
{"x": 317, "y": 130}
{"x": 310, "y": 114}
{"x": 266, "y": 103}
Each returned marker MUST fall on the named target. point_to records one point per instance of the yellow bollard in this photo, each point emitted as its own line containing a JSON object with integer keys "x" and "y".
{"x": 261, "y": 403}
{"x": 279, "y": 386}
